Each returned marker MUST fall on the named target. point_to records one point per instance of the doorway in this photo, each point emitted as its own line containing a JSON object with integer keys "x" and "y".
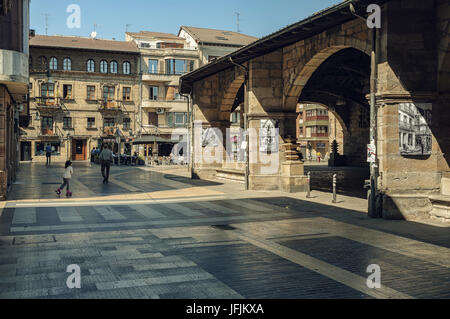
{"x": 79, "y": 150}
{"x": 25, "y": 151}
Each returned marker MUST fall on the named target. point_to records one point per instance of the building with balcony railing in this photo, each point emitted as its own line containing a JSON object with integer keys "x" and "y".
{"x": 14, "y": 36}
{"x": 313, "y": 130}
{"x": 77, "y": 87}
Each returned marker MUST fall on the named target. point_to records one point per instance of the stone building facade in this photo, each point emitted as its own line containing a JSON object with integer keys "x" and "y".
{"x": 163, "y": 58}
{"x": 14, "y": 32}
{"x": 83, "y": 92}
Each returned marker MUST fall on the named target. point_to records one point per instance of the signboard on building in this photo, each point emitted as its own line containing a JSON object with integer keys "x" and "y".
{"x": 210, "y": 137}
{"x": 371, "y": 153}
{"x": 268, "y": 134}
{"x": 415, "y": 137}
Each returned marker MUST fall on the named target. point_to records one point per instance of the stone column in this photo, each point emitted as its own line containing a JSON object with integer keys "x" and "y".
{"x": 292, "y": 178}
{"x": 209, "y": 148}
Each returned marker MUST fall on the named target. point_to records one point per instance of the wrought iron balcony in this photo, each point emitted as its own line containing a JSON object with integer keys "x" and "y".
{"x": 110, "y": 105}
{"x": 46, "y": 102}
{"x": 109, "y": 130}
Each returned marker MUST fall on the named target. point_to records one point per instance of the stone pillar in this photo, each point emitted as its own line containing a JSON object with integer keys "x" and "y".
{"x": 209, "y": 148}
{"x": 292, "y": 178}
{"x": 406, "y": 180}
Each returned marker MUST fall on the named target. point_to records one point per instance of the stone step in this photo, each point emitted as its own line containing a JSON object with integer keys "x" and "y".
{"x": 445, "y": 186}
{"x": 441, "y": 208}
{"x": 236, "y": 175}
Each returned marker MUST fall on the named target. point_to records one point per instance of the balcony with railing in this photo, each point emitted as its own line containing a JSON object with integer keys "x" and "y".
{"x": 158, "y": 76}
{"x": 46, "y": 102}
{"x": 109, "y": 130}
{"x": 50, "y": 131}
{"x": 110, "y": 105}
{"x": 177, "y": 105}
{"x": 319, "y": 135}
{"x": 317, "y": 118}
{"x": 406, "y": 126}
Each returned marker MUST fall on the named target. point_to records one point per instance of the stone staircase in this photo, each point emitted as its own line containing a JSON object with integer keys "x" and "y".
{"x": 236, "y": 175}
{"x": 441, "y": 203}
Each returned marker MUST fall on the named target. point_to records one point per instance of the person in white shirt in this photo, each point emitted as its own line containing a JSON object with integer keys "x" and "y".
{"x": 66, "y": 180}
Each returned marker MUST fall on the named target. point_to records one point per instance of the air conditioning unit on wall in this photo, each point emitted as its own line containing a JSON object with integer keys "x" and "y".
{"x": 159, "y": 110}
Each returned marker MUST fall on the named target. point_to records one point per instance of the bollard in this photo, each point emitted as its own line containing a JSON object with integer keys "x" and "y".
{"x": 334, "y": 188}
{"x": 308, "y": 191}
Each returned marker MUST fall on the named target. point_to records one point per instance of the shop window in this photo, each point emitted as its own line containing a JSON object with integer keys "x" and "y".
{"x": 41, "y": 146}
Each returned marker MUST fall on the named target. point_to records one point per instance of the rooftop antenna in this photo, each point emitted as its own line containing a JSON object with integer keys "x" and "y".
{"x": 237, "y": 21}
{"x": 46, "y": 15}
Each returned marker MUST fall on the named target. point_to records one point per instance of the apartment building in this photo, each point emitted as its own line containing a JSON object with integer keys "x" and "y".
{"x": 14, "y": 33}
{"x": 163, "y": 58}
{"x": 212, "y": 44}
{"x": 313, "y": 130}
{"x": 83, "y": 92}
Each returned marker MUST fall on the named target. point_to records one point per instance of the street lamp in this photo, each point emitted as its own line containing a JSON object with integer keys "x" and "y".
{"x": 68, "y": 146}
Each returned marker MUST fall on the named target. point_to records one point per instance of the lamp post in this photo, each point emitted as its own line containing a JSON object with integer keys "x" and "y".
{"x": 68, "y": 146}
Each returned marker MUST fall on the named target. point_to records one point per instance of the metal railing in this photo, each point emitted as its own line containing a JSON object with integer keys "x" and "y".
{"x": 47, "y": 101}
{"x": 110, "y": 104}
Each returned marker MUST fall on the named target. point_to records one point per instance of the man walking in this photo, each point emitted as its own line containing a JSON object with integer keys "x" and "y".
{"x": 106, "y": 158}
{"x": 48, "y": 154}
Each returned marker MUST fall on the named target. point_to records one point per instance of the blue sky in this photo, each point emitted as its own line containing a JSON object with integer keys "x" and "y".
{"x": 257, "y": 17}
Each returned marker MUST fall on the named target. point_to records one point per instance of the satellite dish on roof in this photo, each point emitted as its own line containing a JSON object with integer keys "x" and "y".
{"x": 93, "y": 35}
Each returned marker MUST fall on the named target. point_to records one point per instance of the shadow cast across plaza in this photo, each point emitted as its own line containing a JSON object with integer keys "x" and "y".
{"x": 409, "y": 229}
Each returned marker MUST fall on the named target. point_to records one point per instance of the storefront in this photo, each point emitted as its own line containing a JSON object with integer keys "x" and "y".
{"x": 152, "y": 145}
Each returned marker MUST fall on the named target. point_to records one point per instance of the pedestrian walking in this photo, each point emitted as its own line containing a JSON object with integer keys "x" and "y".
{"x": 66, "y": 179}
{"x": 106, "y": 159}
{"x": 318, "y": 156}
{"x": 48, "y": 154}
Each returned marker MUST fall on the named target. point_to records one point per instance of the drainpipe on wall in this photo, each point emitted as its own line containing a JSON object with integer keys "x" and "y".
{"x": 190, "y": 136}
{"x": 374, "y": 211}
{"x": 247, "y": 155}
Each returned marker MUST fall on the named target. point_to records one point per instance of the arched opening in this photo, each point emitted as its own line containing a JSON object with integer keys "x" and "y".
{"x": 232, "y": 110}
{"x": 340, "y": 84}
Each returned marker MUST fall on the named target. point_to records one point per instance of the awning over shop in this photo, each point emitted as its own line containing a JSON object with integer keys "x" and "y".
{"x": 150, "y": 139}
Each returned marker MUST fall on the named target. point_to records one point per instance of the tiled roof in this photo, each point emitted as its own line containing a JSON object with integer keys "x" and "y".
{"x": 218, "y": 36}
{"x": 83, "y": 43}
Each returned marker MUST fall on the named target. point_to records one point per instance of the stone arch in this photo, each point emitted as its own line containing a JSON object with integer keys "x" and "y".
{"x": 300, "y": 72}
{"x": 340, "y": 74}
{"x": 229, "y": 97}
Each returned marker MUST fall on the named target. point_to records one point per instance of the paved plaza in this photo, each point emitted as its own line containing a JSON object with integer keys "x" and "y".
{"x": 154, "y": 233}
